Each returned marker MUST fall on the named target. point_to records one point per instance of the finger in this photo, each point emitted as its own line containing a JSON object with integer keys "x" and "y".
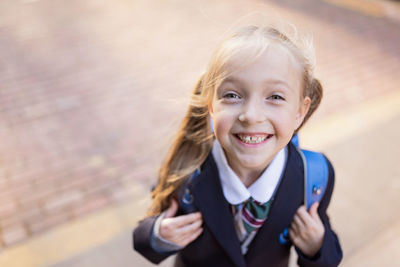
{"x": 298, "y": 222}
{"x": 184, "y": 239}
{"x": 304, "y": 216}
{"x": 194, "y": 235}
{"x": 190, "y": 228}
{"x": 294, "y": 236}
{"x": 292, "y": 232}
{"x": 314, "y": 210}
{"x": 294, "y": 228}
{"x": 302, "y": 210}
{"x": 172, "y": 209}
{"x": 183, "y": 220}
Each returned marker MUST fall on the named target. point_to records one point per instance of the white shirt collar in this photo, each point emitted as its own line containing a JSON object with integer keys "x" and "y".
{"x": 261, "y": 190}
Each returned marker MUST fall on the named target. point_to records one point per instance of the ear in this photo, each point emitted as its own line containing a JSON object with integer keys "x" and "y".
{"x": 303, "y": 109}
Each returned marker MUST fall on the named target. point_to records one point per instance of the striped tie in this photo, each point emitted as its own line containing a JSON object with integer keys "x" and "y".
{"x": 254, "y": 214}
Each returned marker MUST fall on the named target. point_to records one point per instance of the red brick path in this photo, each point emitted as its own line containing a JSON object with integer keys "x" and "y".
{"x": 88, "y": 91}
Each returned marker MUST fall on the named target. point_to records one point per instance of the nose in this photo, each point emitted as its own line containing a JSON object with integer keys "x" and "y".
{"x": 253, "y": 112}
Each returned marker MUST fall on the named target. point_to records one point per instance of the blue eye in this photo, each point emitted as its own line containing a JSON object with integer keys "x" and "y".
{"x": 231, "y": 95}
{"x": 276, "y": 97}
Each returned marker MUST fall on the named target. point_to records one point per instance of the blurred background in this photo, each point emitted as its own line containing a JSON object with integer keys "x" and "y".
{"x": 91, "y": 92}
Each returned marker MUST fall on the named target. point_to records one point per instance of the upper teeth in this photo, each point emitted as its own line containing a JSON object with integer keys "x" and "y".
{"x": 251, "y": 139}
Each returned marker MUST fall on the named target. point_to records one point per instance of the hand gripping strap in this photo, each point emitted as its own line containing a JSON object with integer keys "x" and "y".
{"x": 316, "y": 175}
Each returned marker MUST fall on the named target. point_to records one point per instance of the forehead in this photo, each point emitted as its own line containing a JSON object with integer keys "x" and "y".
{"x": 275, "y": 63}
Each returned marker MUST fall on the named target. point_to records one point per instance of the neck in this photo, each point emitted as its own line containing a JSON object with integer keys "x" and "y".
{"x": 248, "y": 177}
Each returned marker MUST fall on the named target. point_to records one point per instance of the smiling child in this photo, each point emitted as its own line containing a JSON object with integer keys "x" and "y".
{"x": 257, "y": 91}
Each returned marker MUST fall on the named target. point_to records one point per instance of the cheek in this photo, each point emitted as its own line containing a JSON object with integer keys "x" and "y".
{"x": 285, "y": 122}
{"x": 222, "y": 122}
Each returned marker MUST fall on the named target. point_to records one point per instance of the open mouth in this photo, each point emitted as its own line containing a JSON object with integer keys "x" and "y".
{"x": 252, "y": 138}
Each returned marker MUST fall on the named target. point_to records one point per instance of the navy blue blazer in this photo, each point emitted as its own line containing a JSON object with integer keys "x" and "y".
{"x": 219, "y": 246}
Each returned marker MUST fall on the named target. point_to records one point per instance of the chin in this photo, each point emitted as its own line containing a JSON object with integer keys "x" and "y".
{"x": 252, "y": 163}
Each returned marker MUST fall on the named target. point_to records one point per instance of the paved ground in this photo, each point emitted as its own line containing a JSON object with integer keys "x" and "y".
{"x": 91, "y": 91}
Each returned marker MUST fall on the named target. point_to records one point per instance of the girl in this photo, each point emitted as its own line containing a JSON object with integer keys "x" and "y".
{"x": 258, "y": 91}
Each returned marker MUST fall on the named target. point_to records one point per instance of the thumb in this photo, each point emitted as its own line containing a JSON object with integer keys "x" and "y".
{"x": 314, "y": 210}
{"x": 173, "y": 208}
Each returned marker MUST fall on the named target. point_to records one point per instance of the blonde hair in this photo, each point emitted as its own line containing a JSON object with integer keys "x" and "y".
{"x": 194, "y": 139}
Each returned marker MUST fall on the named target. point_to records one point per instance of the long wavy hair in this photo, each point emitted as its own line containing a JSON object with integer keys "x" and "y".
{"x": 194, "y": 138}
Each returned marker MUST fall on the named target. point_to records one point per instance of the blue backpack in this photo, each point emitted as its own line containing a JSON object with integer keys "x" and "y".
{"x": 316, "y": 175}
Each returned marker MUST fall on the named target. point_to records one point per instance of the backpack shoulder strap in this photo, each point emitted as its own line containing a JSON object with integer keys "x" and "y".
{"x": 185, "y": 196}
{"x": 316, "y": 176}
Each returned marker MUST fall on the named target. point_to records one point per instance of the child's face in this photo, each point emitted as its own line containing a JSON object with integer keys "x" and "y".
{"x": 256, "y": 110}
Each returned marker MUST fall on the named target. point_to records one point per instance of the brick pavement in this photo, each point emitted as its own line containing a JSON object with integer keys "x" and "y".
{"x": 88, "y": 91}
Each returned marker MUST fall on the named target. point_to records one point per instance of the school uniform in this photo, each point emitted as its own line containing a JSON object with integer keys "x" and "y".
{"x": 218, "y": 245}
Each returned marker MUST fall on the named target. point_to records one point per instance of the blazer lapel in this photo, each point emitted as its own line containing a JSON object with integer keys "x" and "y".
{"x": 287, "y": 199}
{"x": 211, "y": 202}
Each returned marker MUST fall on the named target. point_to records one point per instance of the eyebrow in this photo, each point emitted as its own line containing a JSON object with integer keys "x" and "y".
{"x": 272, "y": 81}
